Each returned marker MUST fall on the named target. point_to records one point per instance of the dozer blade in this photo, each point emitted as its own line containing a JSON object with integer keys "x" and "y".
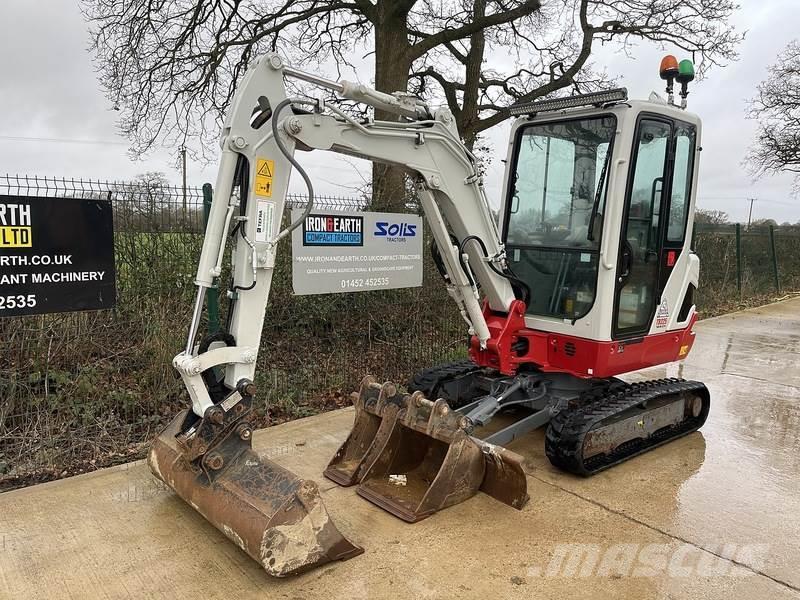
{"x": 428, "y": 462}
{"x": 376, "y": 408}
{"x": 273, "y": 515}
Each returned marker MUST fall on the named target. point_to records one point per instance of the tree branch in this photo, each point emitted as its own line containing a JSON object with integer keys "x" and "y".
{"x": 449, "y": 35}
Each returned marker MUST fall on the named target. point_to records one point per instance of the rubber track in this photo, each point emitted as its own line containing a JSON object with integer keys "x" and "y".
{"x": 428, "y": 381}
{"x": 567, "y": 430}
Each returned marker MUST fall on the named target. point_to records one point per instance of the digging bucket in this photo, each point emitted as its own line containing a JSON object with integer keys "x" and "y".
{"x": 270, "y": 513}
{"x": 429, "y": 462}
{"x": 376, "y": 407}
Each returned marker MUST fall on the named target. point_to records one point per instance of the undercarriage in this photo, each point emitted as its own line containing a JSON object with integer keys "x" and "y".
{"x": 414, "y": 454}
{"x": 592, "y": 423}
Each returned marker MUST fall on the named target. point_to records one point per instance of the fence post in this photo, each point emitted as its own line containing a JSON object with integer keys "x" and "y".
{"x": 774, "y": 259}
{"x": 739, "y": 258}
{"x": 212, "y": 294}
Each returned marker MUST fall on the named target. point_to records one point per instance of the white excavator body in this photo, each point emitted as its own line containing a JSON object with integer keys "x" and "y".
{"x": 589, "y": 274}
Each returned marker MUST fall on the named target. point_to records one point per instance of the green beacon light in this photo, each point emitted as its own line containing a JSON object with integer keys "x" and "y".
{"x": 685, "y": 71}
{"x": 685, "y": 75}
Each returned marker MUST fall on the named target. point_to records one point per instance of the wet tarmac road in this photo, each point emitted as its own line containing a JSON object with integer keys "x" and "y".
{"x": 713, "y": 515}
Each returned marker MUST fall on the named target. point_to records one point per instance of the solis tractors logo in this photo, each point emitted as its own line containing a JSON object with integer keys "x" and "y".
{"x": 395, "y": 232}
{"x": 15, "y": 226}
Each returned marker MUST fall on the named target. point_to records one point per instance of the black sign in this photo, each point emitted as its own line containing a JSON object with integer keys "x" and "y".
{"x": 56, "y": 255}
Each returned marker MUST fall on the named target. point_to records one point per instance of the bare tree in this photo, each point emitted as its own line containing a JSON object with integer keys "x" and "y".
{"x": 711, "y": 217}
{"x": 777, "y": 110}
{"x": 171, "y": 66}
{"x": 554, "y": 46}
{"x": 763, "y": 223}
{"x": 144, "y": 203}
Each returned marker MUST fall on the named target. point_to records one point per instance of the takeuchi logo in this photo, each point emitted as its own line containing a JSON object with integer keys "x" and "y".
{"x": 15, "y": 225}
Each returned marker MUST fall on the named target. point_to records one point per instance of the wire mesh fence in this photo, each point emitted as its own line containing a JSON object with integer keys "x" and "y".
{"x": 81, "y": 390}
{"x": 85, "y": 389}
{"x": 739, "y": 263}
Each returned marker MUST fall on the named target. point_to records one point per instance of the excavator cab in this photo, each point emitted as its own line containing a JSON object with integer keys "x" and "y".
{"x": 583, "y": 187}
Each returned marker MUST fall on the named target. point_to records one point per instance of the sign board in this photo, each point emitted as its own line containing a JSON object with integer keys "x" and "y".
{"x": 56, "y": 255}
{"x": 336, "y": 251}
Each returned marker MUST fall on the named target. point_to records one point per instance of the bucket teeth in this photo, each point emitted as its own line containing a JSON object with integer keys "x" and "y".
{"x": 413, "y": 457}
{"x": 270, "y": 513}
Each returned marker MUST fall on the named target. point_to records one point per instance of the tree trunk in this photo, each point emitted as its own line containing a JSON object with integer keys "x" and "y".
{"x": 468, "y": 118}
{"x": 392, "y": 66}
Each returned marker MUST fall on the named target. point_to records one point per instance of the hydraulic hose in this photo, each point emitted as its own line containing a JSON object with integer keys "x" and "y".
{"x": 524, "y": 288}
{"x": 285, "y": 151}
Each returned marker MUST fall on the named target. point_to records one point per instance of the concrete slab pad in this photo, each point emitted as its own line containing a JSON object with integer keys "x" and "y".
{"x": 713, "y": 515}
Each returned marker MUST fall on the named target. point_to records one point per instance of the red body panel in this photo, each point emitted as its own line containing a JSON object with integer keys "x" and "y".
{"x": 553, "y": 352}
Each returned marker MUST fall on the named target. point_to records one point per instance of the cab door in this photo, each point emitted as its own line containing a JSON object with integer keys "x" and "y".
{"x": 640, "y": 241}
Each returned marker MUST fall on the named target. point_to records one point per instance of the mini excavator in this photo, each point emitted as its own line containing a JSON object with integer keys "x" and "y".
{"x": 588, "y": 275}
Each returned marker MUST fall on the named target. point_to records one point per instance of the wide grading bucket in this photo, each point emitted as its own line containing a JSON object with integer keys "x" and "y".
{"x": 420, "y": 458}
{"x": 270, "y": 513}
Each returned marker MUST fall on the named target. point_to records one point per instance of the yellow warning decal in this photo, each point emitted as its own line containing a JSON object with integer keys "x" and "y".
{"x": 684, "y": 351}
{"x": 265, "y": 169}
{"x": 15, "y": 237}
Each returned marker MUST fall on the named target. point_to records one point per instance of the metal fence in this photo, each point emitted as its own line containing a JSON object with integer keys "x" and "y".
{"x": 739, "y": 263}
{"x": 82, "y": 390}
{"x": 85, "y": 389}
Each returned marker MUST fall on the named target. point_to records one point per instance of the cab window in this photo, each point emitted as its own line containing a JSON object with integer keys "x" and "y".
{"x": 555, "y": 213}
{"x": 681, "y": 181}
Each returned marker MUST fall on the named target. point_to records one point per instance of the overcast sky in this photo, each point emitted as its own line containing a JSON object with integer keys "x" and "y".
{"x": 49, "y": 95}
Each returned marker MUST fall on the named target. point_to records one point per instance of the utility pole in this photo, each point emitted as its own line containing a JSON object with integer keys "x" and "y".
{"x": 182, "y": 150}
{"x": 750, "y": 214}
